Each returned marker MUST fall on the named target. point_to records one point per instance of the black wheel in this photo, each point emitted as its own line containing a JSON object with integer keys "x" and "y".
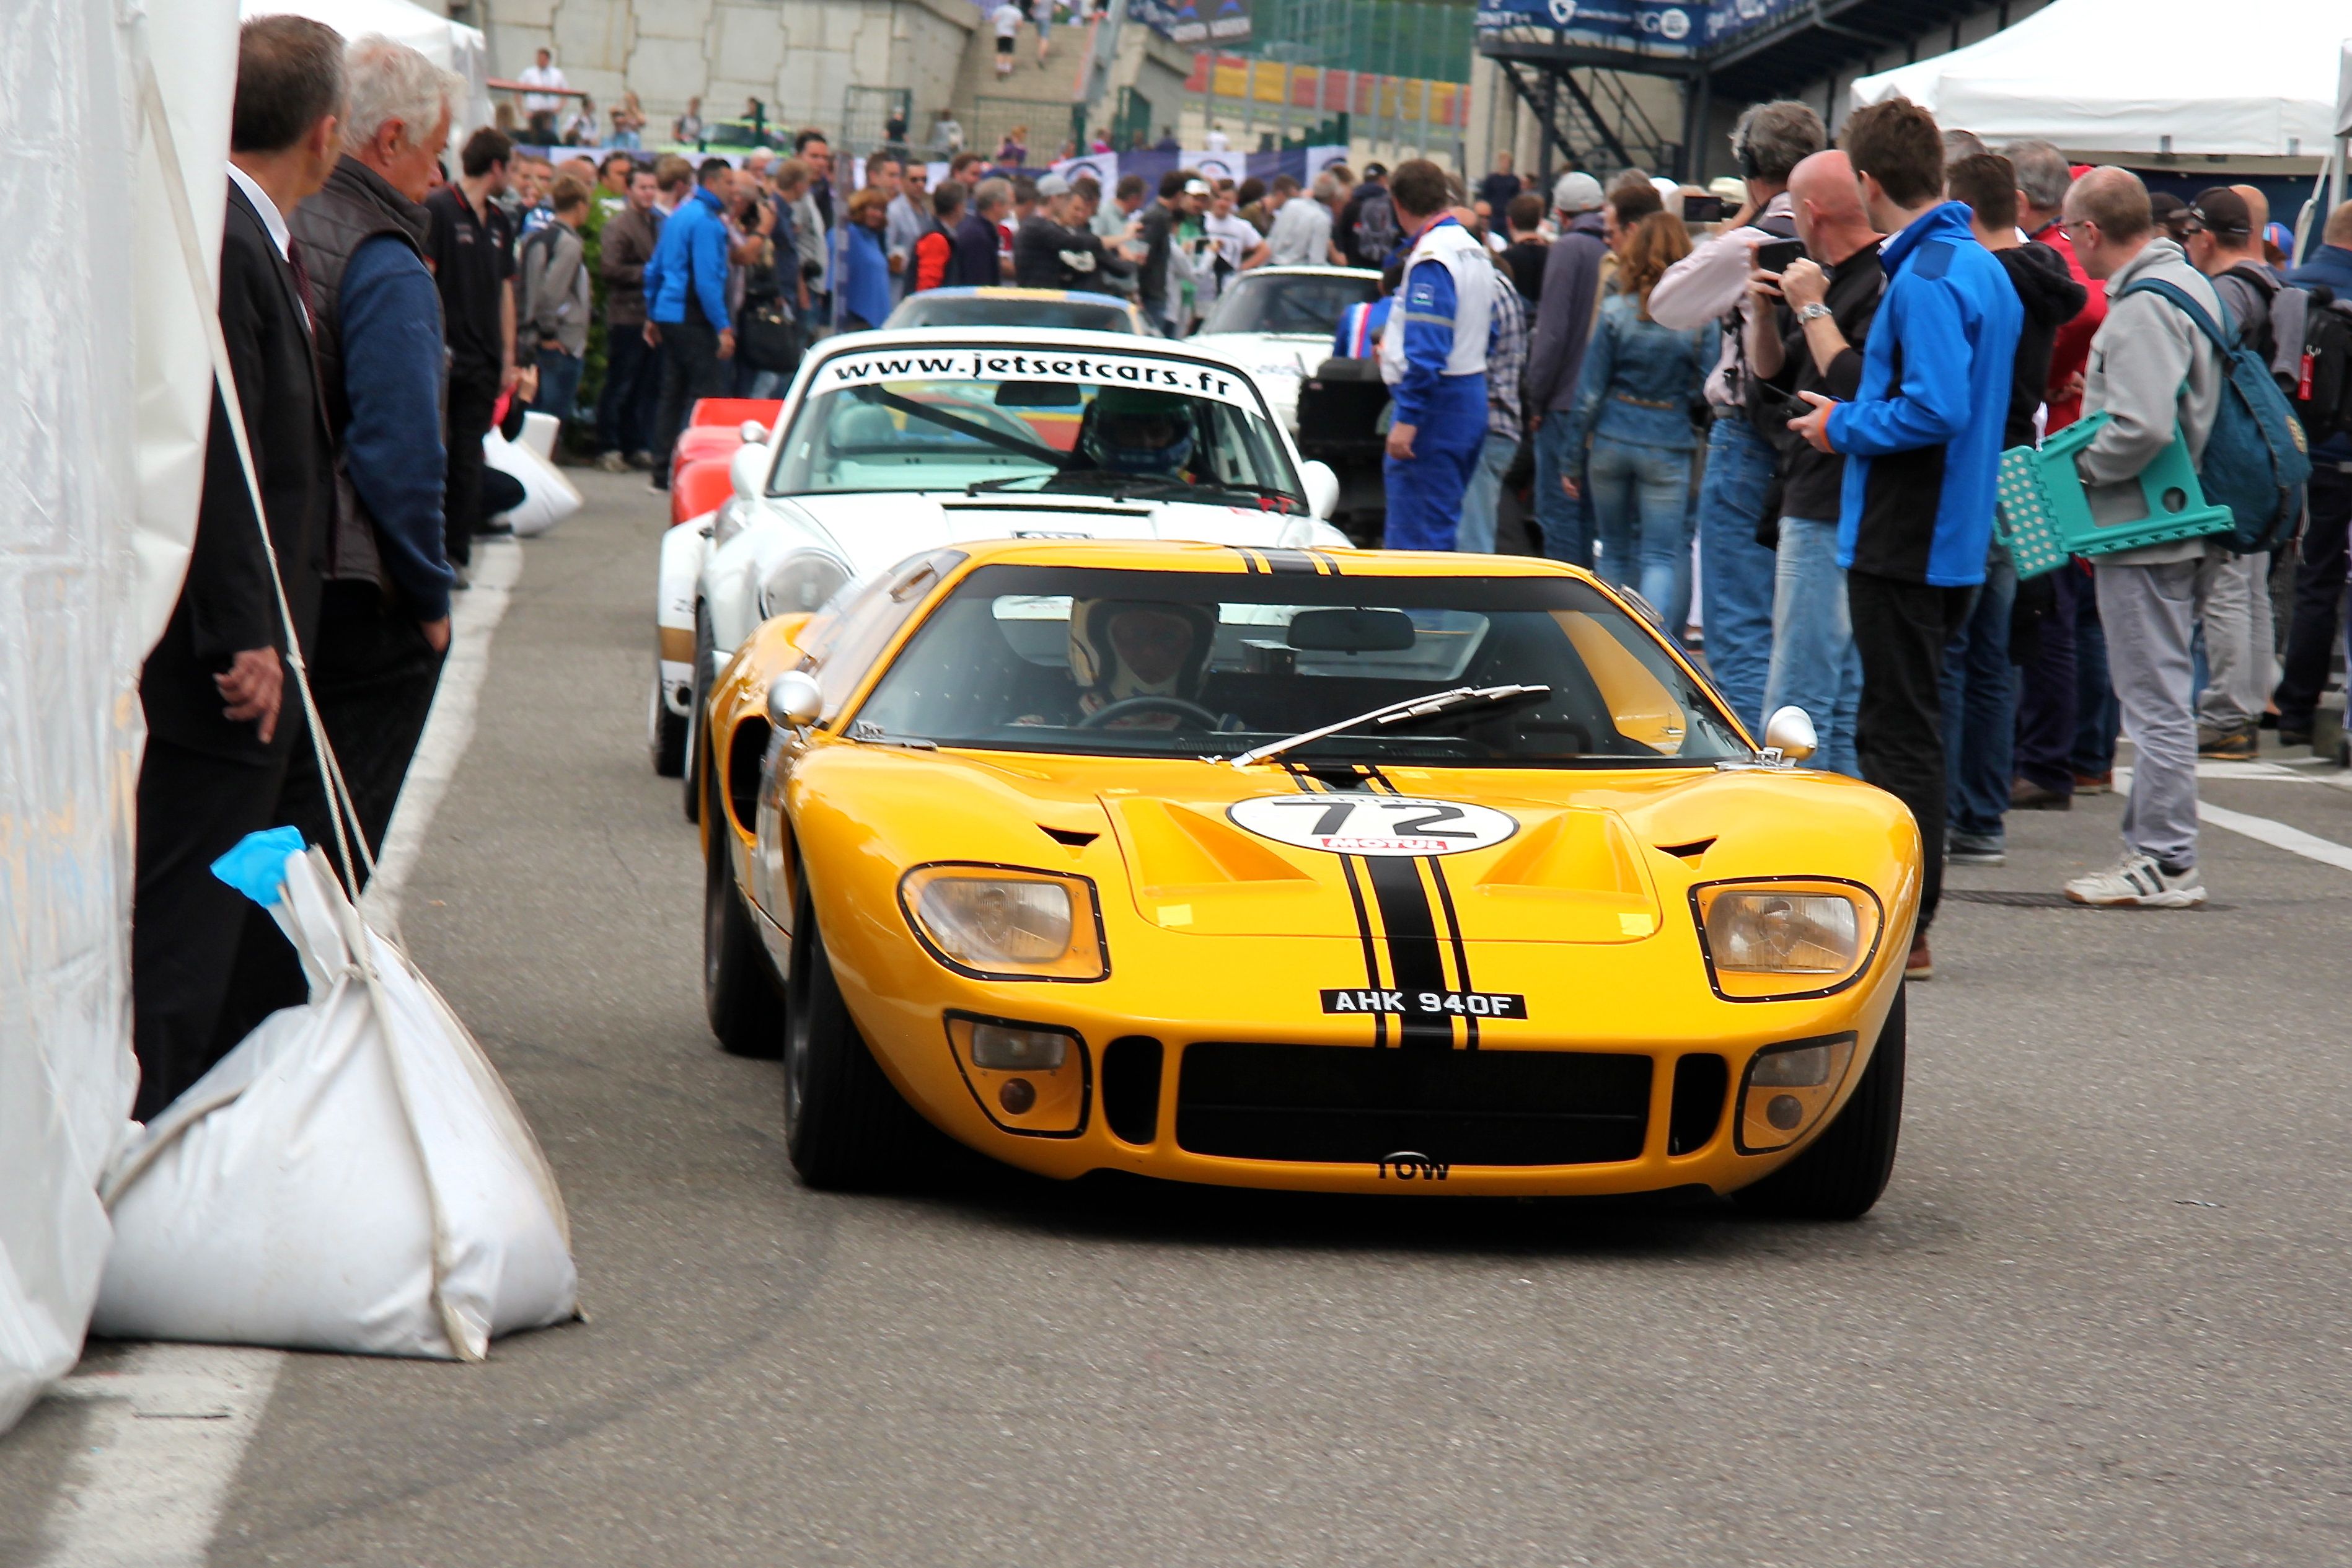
{"x": 697, "y": 754}
{"x": 846, "y": 1127}
{"x": 1841, "y": 1174}
{"x": 738, "y": 985}
{"x": 665, "y": 733}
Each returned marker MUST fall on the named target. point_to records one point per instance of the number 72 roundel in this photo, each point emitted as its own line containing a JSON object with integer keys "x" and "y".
{"x": 1373, "y": 823}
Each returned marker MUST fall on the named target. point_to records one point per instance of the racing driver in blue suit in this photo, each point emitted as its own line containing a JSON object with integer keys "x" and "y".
{"x": 1434, "y": 358}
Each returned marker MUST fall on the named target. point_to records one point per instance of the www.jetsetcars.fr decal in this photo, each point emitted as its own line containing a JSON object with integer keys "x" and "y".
{"x": 1145, "y": 370}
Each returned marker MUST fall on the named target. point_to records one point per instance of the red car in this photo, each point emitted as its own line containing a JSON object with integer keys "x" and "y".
{"x": 697, "y": 463}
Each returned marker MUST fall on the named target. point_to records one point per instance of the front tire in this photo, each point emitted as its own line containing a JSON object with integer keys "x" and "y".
{"x": 739, "y": 986}
{"x": 665, "y": 733}
{"x": 1842, "y": 1173}
{"x": 846, "y": 1127}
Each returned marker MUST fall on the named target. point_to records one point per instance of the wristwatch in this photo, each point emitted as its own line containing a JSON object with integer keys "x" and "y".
{"x": 1813, "y": 313}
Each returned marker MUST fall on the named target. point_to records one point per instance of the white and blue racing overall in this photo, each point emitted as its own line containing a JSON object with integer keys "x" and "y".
{"x": 1433, "y": 357}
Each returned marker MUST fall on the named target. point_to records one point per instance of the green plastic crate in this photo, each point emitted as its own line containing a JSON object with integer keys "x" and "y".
{"x": 2043, "y": 515}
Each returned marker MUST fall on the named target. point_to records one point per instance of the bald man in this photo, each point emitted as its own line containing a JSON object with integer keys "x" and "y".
{"x": 2152, "y": 371}
{"x": 1805, "y": 334}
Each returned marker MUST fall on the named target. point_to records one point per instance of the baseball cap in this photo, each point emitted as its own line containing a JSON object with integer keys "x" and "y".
{"x": 1576, "y": 192}
{"x": 2222, "y": 213}
{"x": 1052, "y": 186}
{"x": 1197, "y": 188}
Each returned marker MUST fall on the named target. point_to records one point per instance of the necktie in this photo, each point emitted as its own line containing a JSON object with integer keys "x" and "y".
{"x": 301, "y": 277}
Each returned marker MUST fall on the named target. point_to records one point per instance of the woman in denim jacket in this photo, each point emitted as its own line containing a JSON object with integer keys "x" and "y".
{"x": 1639, "y": 398}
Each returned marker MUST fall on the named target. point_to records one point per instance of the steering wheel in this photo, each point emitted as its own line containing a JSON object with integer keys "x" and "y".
{"x": 1151, "y": 702}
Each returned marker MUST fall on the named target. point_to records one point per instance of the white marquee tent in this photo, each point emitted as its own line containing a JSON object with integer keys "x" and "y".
{"x": 2146, "y": 77}
{"x": 451, "y": 44}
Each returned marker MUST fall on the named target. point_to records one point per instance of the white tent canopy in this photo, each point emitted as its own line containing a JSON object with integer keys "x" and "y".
{"x": 2146, "y": 77}
{"x": 451, "y": 44}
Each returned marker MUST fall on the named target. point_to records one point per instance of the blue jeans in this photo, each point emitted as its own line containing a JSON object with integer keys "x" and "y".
{"x": 1637, "y": 500}
{"x": 1476, "y": 535}
{"x": 558, "y": 384}
{"x": 1981, "y": 709}
{"x": 1814, "y": 665}
{"x": 1736, "y": 574}
{"x": 1566, "y": 525}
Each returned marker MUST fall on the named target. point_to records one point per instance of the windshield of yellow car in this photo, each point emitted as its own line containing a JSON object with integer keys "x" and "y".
{"x": 1104, "y": 661}
{"x": 977, "y": 420}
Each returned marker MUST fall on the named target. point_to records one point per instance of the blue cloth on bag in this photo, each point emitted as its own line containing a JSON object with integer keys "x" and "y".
{"x": 257, "y": 866}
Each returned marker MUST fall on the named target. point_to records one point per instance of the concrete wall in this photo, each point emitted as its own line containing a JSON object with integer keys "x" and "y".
{"x": 796, "y": 56}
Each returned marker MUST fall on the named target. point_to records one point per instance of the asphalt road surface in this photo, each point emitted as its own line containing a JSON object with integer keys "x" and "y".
{"x": 2099, "y": 1318}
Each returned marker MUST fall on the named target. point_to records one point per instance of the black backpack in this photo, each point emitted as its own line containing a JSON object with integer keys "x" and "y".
{"x": 2322, "y": 392}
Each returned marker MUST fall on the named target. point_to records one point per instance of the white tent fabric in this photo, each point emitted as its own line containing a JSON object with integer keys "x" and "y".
{"x": 451, "y": 44}
{"x": 2144, "y": 75}
{"x": 92, "y": 548}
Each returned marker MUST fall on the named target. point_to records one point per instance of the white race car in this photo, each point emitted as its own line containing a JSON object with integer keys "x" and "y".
{"x": 890, "y": 444}
{"x": 1277, "y": 324}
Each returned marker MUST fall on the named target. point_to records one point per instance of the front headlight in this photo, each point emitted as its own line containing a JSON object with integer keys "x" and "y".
{"x": 996, "y": 922}
{"x": 1786, "y": 1090}
{"x": 800, "y": 582}
{"x": 1787, "y": 938}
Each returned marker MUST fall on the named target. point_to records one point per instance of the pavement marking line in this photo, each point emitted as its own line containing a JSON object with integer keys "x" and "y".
{"x": 2277, "y": 835}
{"x": 169, "y": 1423}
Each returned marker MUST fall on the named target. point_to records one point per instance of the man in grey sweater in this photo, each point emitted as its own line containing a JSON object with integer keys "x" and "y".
{"x": 555, "y": 295}
{"x": 2151, "y": 371}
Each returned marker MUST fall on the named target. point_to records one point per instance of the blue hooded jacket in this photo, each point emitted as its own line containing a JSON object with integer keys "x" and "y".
{"x": 690, "y": 256}
{"x": 1923, "y": 439}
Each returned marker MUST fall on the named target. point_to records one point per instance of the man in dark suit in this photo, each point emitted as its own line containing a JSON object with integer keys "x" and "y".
{"x": 222, "y": 713}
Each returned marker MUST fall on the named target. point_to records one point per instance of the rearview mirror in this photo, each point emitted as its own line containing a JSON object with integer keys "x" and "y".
{"x": 1352, "y": 631}
{"x": 1789, "y": 732}
{"x": 794, "y": 701}
{"x": 748, "y": 470}
{"x": 1322, "y": 488}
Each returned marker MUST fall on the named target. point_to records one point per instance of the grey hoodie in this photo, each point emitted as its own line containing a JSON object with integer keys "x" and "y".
{"x": 2151, "y": 370}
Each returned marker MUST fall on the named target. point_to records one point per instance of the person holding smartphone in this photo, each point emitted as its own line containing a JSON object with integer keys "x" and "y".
{"x": 1812, "y": 301}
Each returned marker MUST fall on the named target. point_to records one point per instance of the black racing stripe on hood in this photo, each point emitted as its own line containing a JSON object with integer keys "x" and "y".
{"x": 1329, "y": 562}
{"x": 1249, "y": 558}
{"x": 1450, "y": 925}
{"x": 1292, "y": 562}
{"x": 1409, "y": 926}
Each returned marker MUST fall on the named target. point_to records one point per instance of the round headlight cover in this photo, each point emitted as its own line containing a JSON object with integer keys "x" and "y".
{"x": 1787, "y": 937}
{"x": 801, "y": 582}
{"x": 996, "y": 922}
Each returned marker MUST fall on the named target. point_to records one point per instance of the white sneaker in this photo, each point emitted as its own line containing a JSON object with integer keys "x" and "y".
{"x": 2138, "y": 880}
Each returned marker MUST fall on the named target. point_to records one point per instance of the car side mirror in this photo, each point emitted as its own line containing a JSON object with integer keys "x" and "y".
{"x": 794, "y": 701}
{"x": 1788, "y": 735}
{"x": 1322, "y": 488}
{"x": 748, "y": 470}
{"x": 754, "y": 433}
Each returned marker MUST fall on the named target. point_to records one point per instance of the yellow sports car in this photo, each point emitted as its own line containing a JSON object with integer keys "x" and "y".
{"x": 1351, "y": 871}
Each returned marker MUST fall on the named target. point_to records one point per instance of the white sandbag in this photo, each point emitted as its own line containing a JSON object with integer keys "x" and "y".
{"x": 548, "y": 496}
{"x": 353, "y": 1177}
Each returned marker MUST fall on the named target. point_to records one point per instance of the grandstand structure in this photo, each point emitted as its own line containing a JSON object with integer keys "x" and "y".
{"x": 1610, "y": 84}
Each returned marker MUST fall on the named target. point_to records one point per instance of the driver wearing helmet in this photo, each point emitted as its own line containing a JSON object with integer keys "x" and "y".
{"x": 1133, "y": 651}
{"x": 1131, "y": 431}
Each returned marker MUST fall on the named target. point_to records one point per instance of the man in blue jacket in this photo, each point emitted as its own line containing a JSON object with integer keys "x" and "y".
{"x": 1923, "y": 448}
{"x": 2320, "y": 563}
{"x": 685, "y": 307}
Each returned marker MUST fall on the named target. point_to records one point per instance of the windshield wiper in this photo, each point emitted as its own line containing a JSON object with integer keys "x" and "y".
{"x": 1411, "y": 710}
{"x": 1154, "y": 484}
{"x": 873, "y": 734}
{"x": 977, "y": 486}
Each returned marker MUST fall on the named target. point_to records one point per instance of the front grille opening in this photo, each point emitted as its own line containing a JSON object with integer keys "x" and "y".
{"x": 745, "y": 753}
{"x": 1130, "y": 1088}
{"x": 1361, "y": 1104}
{"x": 1701, "y": 1082}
